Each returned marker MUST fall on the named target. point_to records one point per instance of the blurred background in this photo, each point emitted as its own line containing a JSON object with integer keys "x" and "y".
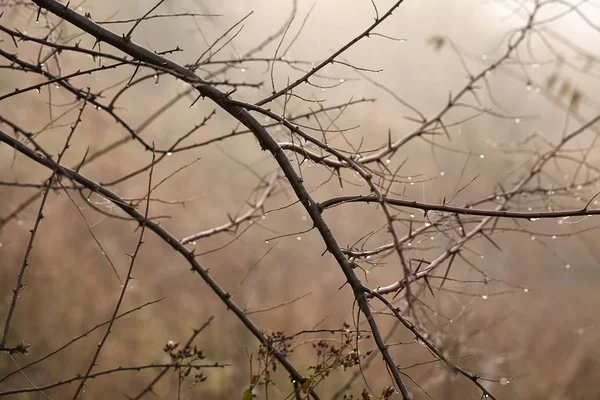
{"x": 521, "y": 310}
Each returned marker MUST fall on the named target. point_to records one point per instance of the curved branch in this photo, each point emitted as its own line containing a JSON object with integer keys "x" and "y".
{"x": 267, "y": 142}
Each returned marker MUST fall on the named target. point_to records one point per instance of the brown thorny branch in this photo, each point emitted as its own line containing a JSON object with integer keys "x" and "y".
{"x": 267, "y": 142}
{"x": 132, "y": 368}
{"x": 238, "y": 110}
{"x": 21, "y": 348}
{"x": 74, "y": 340}
{"x": 234, "y": 222}
{"x": 95, "y": 155}
{"x": 163, "y": 234}
{"x": 128, "y": 278}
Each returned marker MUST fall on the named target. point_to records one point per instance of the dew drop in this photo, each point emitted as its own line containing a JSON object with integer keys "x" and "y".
{"x": 532, "y": 237}
{"x": 402, "y": 40}
{"x": 170, "y": 153}
{"x": 38, "y": 90}
{"x": 342, "y": 80}
{"x": 481, "y": 156}
{"x": 412, "y": 215}
{"x": 534, "y": 219}
{"x": 368, "y": 257}
{"x": 553, "y": 236}
{"x": 193, "y": 243}
{"x": 442, "y": 173}
{"x": 568, "y": 266}
{"x": 528, "y": 88}
{"x": 517, "y": 120}
{"x": 504, "y": 381}
{"x": 388, "y": 161}
{"x": 266, "y": 242}
{"x": 526, "y": 290}
{"x": 243, "y": 70}
{"x": 484, "y": 296}
{"x": 304, "y": 218}
{"x": 299, "y": 238}
{"x": 481, "y": 256}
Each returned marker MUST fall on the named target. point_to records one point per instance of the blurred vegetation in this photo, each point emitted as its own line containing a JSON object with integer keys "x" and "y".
{"x": 518, "y": 308}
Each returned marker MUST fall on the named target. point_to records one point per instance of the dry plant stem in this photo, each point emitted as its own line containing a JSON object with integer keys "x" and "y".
{"x": 425, "y": 207}
{"x": 236, "y": 221}
{"x": 331, "y": 58}
{"x": 453, "y": 101}
{"x": 266, "y": 141}
{"x": 534, "y": 171}
{"x": 134, "y": 368}
{"x": 38, "y": 220}
{"x": 19, "y": 285}
{"x": 167, "y": 238}
{"x": 105, "y": 150}
{"x": 411, "y": 327}
{"x": 85, "y": 334}
{"x": 150, "y": 387}
{"x": 128, "y": 278}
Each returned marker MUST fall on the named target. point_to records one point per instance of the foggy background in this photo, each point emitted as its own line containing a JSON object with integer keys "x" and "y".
{"x": 542, "y": 339}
